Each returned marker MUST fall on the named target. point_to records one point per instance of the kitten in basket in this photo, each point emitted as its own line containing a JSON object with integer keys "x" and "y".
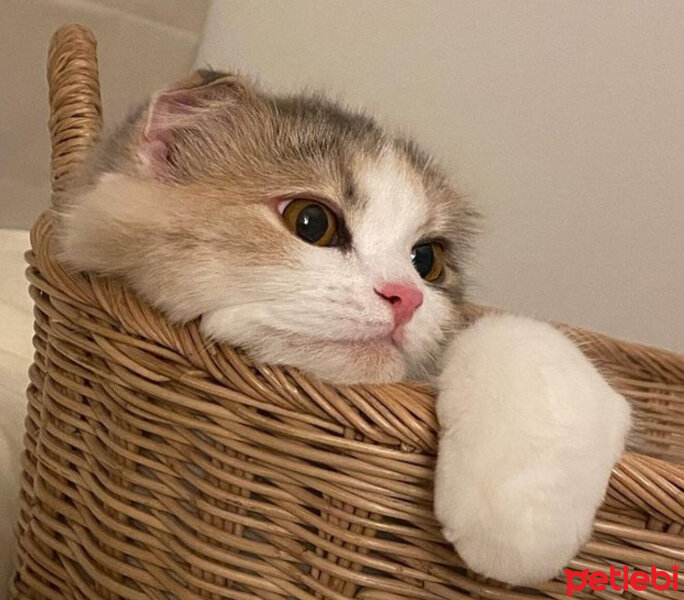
{"x": 310, "y": 237}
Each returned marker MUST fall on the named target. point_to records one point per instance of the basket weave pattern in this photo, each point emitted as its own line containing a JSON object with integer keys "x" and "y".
{"x": 157, "y": 466}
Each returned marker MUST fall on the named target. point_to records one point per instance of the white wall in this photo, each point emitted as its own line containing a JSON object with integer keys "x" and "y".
{"x": 564, "y": 121}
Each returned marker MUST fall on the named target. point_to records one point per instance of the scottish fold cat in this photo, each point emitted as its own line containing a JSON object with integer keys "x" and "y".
{"x": 310, "y": 237}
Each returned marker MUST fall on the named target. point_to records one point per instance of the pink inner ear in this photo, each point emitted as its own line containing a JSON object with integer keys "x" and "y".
{"x": 156, "y": 153}
{"x": 168, "y": 111}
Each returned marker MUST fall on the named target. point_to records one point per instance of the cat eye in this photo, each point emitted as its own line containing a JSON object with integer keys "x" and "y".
{"x": 428, "y": 259}
{"x": 311, "y": 221}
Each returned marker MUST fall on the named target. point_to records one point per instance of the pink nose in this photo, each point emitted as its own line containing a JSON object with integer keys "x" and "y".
{"x": 404, "y": 300}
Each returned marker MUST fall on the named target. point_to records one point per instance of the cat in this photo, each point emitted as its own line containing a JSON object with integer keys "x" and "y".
{"x": 308, "y": 236}
{"x": 196, "y": 207}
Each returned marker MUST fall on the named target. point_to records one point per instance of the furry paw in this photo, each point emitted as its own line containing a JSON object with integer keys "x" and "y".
{"x": 530, "y": 432}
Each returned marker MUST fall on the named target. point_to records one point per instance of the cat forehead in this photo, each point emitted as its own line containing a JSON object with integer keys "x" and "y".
{"x": 389, "y": 199}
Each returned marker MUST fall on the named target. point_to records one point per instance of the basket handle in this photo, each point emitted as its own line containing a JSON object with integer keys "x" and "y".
{"x": 75, "y": 106}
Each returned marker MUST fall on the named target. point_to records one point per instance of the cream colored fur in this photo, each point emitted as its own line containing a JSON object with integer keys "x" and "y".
{"x": 529, "y": 434}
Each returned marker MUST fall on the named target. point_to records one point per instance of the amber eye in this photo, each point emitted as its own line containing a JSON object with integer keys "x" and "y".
{"x": 312, "y": 221}
{"x": 428, "y": 259}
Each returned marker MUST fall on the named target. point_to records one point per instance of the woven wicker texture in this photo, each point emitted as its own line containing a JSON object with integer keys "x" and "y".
{"x": 159, "y": 467}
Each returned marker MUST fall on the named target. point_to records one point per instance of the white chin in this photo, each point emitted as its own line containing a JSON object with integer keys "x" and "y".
{"x": 345, "y": 363}
{"x": 371, "y": 361}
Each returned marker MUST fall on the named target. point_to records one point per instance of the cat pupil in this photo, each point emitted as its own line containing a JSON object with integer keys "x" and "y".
{"x": 423, "y": 257}
{"x": 312, "y": 223}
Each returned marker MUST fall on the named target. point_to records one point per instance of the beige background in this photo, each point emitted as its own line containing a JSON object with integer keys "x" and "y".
{"x": 563, "y": 120}
{"x": 142, "y": 45}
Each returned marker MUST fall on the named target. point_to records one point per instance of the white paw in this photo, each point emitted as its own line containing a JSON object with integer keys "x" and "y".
{"x": 529, "y": 434}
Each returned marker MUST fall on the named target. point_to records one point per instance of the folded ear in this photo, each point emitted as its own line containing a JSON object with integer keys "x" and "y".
{"x": 180, "y": 107}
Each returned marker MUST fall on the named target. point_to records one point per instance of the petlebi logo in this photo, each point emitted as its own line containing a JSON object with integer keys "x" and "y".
{"x": 622, "y": 580}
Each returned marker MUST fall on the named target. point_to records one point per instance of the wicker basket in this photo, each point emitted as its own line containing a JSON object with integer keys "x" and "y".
{"x": 158, "y": 467}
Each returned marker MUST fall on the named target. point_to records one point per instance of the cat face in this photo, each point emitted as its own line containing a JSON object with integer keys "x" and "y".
{"x": 296, "y": 230}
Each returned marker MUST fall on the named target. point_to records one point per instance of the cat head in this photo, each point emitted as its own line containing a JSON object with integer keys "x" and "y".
{"x": 298, "y": 231}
